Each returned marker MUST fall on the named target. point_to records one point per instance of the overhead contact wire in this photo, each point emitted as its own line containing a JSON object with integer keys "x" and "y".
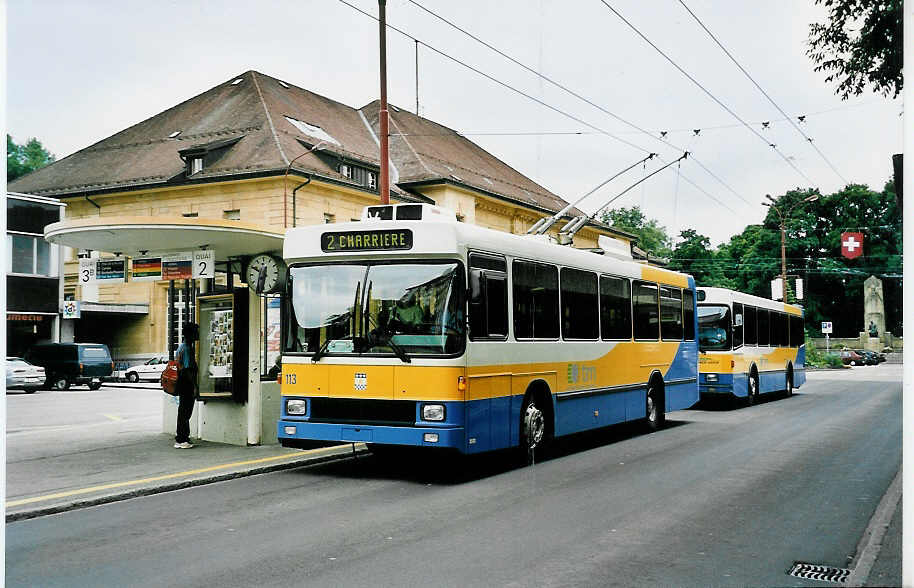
{"x": 706, "y": 91}
{"x": 762, "y": 90}
{"x": 576, "y": 95}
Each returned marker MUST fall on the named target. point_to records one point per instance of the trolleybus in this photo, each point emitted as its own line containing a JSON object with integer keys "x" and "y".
{"x": 749, "y": 345}
{"x": 411, "y": 328}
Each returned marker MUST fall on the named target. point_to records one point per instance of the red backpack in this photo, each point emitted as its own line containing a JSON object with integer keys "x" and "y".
{"x": 169, "y": 379}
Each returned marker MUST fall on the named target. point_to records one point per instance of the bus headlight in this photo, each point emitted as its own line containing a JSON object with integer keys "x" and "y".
{"x": 710, "y": 377}
{"x": 296, "y": 406}
{"x": 432, "y": 412}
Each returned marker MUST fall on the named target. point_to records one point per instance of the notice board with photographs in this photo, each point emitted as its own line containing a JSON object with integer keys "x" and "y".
{"x": 223, "y": 346}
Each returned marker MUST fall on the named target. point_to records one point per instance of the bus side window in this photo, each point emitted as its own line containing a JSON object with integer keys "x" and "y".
{"x": 783, "y": 337}
{"x": 616, "y": 308}
{"x": 688, "y": 315}
{"x": 763, "y": 329}
{"x": 536, "y": 300}
{"x": 797, "y": 334}
{"x": 750, "y": 326}
{"x": 738, "y": 322}
{"x": 488, "y": 293}
{"x": 671, "y": 313}
{"x": 580, "y": 319}
{"x": 646, "y": 310}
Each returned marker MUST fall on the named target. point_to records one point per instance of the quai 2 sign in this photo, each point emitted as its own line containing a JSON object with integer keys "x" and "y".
{"x": 204, "y": 264}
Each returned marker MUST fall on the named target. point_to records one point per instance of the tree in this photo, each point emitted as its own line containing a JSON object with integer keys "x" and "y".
{"x": 833, "y": 284}
{"x": 693, "y": 255}
{"x": 652, "y": 237}
{"x": 23, "y": 159}
{"x": 860, "y": 44}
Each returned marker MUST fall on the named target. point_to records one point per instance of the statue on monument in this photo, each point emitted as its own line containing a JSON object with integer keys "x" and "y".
{"x": 873, "y": 306}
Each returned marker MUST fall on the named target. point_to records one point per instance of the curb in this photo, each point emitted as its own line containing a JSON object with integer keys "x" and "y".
{"x": 344, "y": 452}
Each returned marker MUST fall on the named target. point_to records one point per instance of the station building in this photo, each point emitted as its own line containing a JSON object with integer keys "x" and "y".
{"x": 34, "y": 285}
{"x": 259, "y": 151}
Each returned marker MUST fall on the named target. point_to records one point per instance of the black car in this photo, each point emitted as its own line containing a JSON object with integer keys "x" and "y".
{"x": 66, "y": 364}
{"x": 869, "y": 357}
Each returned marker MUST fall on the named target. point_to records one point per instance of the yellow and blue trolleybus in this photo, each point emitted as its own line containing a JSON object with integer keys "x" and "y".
{"x": 749, "y": 345}
{"x": 411, "y": 328}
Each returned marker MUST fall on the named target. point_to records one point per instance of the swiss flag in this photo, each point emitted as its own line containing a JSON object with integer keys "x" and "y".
{"x": 851, "y": 245}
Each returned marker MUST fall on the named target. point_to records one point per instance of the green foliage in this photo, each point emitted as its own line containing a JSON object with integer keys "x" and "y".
{"x": 652, "y": 237}
{"x": 833, "y": 284}
{"x": 817, "y": 358}
{"x": 860, "y": 44}
{"x": 23, "y": 159}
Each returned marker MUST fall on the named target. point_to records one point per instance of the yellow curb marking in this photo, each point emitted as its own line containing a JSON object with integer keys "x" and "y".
{"x": 113, "y": 417}
{"x": 91, "y": 489}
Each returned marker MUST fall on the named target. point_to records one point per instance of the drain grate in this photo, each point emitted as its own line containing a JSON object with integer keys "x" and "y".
{"x": 820, "y": 573}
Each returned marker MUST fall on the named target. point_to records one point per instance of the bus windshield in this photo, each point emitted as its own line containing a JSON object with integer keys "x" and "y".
{"x": 402, "y": 309}
{"x": 713, "y": 327}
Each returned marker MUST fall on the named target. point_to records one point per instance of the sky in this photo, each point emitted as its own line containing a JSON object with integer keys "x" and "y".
{"x": 79, "y": 71}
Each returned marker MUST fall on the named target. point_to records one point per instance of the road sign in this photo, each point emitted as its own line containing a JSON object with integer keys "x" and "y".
{"x": 86, "y": 271}
{"x": 177, "y": 266}
{"x": 205, "y": 264}
{"x": 111, "y": 269}
{"x": 777, "y": 289}
{"x": 851, "y": 245}
{"x": 826, "y": 327}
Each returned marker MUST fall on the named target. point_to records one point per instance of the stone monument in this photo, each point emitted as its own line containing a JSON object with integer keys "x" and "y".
{"x": 873, "y": 312}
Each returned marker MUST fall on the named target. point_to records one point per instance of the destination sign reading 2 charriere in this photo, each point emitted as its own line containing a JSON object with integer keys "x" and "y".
{"x": 367, "y": 240}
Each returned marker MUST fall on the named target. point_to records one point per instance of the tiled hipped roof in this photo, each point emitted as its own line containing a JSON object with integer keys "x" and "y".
{"x": 254, "y": 124}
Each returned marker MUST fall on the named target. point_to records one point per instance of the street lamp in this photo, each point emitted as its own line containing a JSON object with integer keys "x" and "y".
{"x": 285, "y": 184}
{"x": 783, "y": 218}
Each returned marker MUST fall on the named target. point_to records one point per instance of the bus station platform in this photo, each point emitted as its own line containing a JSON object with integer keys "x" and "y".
{"x": 150, "y": 465}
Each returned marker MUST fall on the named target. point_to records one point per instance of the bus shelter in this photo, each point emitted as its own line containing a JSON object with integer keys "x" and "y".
{"x": 204, "y": 262}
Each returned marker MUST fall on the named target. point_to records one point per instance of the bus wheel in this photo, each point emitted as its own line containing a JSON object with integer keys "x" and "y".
{"x": 752, "y": 396}
{"x": 533, "y": 427}
{"x": 789, "y": 390}
{"x": 656, "y": 415}
{"x": 60, "y": 383}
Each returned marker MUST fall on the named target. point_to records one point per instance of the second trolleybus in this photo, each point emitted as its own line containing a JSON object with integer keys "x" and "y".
{"x": 749, "y": 345}
{"x": 411, "y": 328}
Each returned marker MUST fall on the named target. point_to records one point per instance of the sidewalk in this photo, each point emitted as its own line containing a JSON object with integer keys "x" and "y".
{"x": 149, "y": 466}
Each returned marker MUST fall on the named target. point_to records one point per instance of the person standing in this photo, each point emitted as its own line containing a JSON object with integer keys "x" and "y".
{"x": 187, "y": 385}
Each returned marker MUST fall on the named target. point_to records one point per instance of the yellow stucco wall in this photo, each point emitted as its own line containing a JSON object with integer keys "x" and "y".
{"x": 260, "y": 201}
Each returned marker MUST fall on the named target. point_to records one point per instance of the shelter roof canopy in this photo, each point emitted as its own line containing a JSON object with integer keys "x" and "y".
{"x": 138, "y": 236}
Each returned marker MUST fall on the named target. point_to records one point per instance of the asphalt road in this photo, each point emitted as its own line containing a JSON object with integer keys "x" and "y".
{"x": 49, "y": 423}
{"x": 721, "y": 497}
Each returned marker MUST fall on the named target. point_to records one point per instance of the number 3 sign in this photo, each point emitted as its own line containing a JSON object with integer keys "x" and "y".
{"x": 87, "y": 271}
{"x": 204, "y": 264}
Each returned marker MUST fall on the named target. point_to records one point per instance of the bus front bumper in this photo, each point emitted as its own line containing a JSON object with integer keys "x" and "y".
{"x": 453, "y": 437}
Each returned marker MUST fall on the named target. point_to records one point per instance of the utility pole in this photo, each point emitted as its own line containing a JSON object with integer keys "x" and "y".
{"x": 783, "y": 224}
{"x": 384, "y": 180}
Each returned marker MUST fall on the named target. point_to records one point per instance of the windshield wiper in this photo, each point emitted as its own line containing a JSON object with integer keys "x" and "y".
{"x": 322, "y": 351}
{"x": 385, "y": 339}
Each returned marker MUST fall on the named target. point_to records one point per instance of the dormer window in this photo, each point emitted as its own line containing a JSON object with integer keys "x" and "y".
{"x": 206, "y": 155}
{"x": 345, "y": 170}
{"x": 372, "y": 180}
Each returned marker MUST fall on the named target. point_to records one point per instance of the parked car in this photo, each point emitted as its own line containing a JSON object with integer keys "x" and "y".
{"x": 851, "y": 357}
{"x": 869, "y": 357}
{"x": 151, "y": 370}
{"x": 66, "y": 364}
{"x": 21, "y": 375}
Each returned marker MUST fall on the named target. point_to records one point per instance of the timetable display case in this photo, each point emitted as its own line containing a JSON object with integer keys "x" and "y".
{"x": 223, "y": 346}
